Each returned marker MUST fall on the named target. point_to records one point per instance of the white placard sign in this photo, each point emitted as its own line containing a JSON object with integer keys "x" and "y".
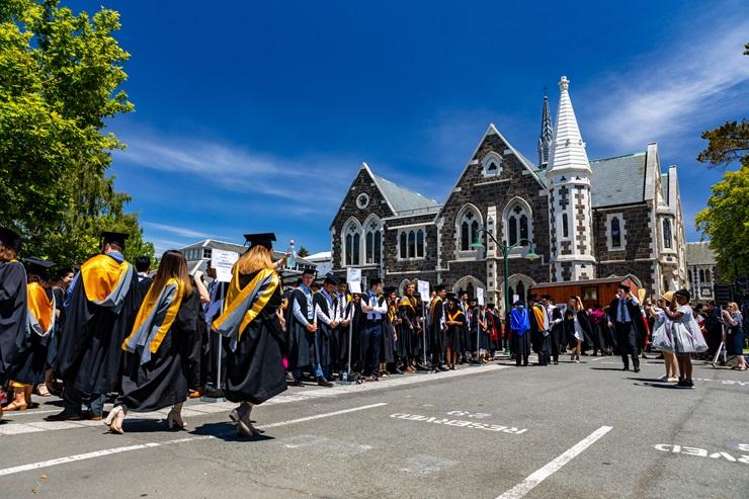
{"x": 353, "y": 278}
{"x": 480, "y": 296}
{"x": 223, "y": 261}
{"x": 423, "y": 288}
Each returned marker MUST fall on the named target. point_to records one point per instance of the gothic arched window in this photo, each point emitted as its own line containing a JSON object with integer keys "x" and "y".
{"x": 616, "y": 233}
{"x": 518, "y": 222}
{"x": 373, "y": 241}
{"x": 707, "y": 275}
{"x": 702, "y": 276}
{"x": 491, "y": 164}
{"x": 667, "y": 235}
{"x": 352, "y": 243}
{"x": 412, "y": 244}
{"x": 420, "y": 243}
{"x": 470, "y": 228}
{"x": 403, "y": 245}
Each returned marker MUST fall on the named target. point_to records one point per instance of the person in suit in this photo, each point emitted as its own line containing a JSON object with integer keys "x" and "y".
{"x": 625, "y": 319}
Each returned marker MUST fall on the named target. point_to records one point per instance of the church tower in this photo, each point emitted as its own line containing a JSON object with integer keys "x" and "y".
{"x": 570, "y": 211}
{"x": 545, "y": 137}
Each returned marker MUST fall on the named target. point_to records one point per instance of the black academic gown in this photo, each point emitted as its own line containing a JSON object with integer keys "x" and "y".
{"x": 407, "y": 339}
{"x": 324, "y": 336}
{"x": 13, "y": 314}
{"x": 301, "y": 347}
{"x": 255, "y": 371}
{"x": 89, "y": 357}
{"x": 31, "y": 357}
{"x": 389, "y": 333}
{"x": 165, "y": 379}
{"x": 436, "y": 331}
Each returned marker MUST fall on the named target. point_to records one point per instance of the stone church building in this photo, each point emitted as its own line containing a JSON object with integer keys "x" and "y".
{"x": 584, "y": 219}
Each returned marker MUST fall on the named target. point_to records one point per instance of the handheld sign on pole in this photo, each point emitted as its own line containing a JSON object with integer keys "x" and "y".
{"x": 423, "y": 288}
{"x": 222, "y": 261}
{"x": 480, "y": 300}
{"x": 353, "y": 278}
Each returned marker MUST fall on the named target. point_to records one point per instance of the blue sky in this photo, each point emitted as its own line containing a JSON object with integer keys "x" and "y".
{"x": 255, "y": 116}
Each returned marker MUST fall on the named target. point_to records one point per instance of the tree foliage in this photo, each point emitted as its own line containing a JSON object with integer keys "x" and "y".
{"x": 60, "y": 77}
{"x": 725, "y": 220}
{"x": 303, "y": 252}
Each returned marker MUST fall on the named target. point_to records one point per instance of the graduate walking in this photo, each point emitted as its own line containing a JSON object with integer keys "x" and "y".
{"x": 103, "y": 304}
{"x": 13, "y": 308}
{"x": 160, "y": 345}
{"x": 255, "y": 371}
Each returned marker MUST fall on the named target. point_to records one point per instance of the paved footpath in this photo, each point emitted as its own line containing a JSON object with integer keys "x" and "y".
{"x": 584, "y": 430}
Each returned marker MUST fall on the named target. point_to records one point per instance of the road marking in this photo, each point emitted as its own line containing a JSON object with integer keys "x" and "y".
{"x": 94, "y": 455}
{"x": 301, "y": 396}
{"x": 151, "y": 445}
{"x": 697, "y": 452}
{"x": 555, "y": 465}
{"x": 473, "y": 425}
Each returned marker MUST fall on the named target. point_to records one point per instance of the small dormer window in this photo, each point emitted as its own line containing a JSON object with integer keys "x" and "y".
{"x": 491, "y": 164}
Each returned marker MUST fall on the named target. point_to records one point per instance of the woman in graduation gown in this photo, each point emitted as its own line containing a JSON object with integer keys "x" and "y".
{"x": 161, "y": 347}
{"x": 31, "y": 358}
{"x": 255, "y": 371}
{"x": 13, "y": 298}
{"x": 455, "y": 321}
{"x": 389, "y": 333}
{"x": 407, "y": 329}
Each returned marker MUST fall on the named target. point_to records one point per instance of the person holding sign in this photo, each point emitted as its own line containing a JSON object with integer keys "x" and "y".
{"x": 160, "y": 346}
{"x": 325, "y": 305}
{"x": 254, "y": 370}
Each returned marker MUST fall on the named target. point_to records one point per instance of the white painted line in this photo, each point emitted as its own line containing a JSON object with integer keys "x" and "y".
{"x": 150, "y": 445}
{"x": 319, "y": 416}
{"x": 8, "y": 416}
{"x": 94, "y": 455}
{"x": 555, "y": 465}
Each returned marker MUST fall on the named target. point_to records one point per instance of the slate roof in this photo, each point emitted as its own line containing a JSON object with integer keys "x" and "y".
{"x": 619, "y": 180}
{"x": 700, "y": 254}
{"x": 402, "y": 200}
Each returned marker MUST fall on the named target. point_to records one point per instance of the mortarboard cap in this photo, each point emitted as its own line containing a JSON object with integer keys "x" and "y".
{"x": 308, "y": 271}
{"x": 331, "y": 279}
{"x": 264, "y": 239}
{"x": 117, "y": 238}
{"x": 390, "y": 289}
{"x": 10, "y": 238}
{"x": 39, "y": 267}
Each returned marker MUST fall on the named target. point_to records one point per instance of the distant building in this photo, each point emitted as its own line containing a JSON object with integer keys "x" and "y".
{"x": 198, "y": 256}
{"x": 322, "y": 260}
{"x": 586, "y": 219}
{"x": 701, "y": 270}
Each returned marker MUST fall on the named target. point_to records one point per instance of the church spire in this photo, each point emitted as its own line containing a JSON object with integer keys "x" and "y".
{"x": 568, "y": 149}
{"x": 546, "y": 135}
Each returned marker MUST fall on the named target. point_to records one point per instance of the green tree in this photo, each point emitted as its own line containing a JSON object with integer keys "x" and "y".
{"x": 60, "y": 77}
{"x": 725, "y": 220}
{"x": 303, "y": 252}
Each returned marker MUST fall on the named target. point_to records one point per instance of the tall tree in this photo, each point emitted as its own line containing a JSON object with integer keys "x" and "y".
{"x": 60, "y": 77}
{"x": 725, "y": 220}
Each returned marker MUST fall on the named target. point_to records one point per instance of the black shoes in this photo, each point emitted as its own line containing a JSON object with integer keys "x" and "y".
{"x": 64, "y": 416}
{"x": 324, "y": 382}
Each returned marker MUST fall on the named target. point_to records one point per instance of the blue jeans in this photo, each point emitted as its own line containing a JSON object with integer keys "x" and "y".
{"x": 372, "y": 341}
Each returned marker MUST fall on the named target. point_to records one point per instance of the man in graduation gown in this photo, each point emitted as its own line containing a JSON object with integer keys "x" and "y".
{"x": 375, "y": 310}
{"x": 13, "y": 298}
{"x": 437, "y": 328}
{"x": 540, "y": 331}
{"x": 343, "y": 316}
{"x": 325, "y": 306}
{"x": 302, "y": 326}
{"x": 103, "y": 305}
{"x": 625, "y": 318}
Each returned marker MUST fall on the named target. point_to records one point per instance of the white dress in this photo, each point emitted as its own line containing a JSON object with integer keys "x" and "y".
{"x": 687, "y": 336}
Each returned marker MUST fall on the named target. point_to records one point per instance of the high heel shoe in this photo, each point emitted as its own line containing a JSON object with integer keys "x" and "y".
{"x": 114, "y": 420}
{"x": 174, "y": 420}
{"x": 241, "y": 416}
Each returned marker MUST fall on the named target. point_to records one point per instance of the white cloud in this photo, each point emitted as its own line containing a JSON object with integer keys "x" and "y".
{"x": 670, "y": 92}
{"x": 176, "y": 230}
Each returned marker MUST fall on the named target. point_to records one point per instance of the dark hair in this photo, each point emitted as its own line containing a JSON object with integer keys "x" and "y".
{"x": 439, "y": 287}
{"x": 172, "y": 264}
{"x": 142, "y": 263}
{"x": 684, "y": 294}
{"x": 375, "y": 282}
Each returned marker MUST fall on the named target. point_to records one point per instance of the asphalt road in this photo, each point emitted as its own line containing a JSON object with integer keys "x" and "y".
{"x": 574, "y": 430}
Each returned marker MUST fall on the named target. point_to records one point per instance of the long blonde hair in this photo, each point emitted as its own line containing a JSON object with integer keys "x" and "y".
{"x": 257, "y": 258}
{"x": 172, "y": 264}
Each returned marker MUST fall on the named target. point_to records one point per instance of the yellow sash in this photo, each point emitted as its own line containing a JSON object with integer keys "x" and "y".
{"x": 41, "y": 306}
{"x": 146, "y": 313}
{"x": 101, "y": 275}
{"x": 236, "y": 297}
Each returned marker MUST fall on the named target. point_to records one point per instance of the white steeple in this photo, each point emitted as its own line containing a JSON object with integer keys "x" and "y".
{"x": 570, "y": 206}
{"x": 568, "y": 148}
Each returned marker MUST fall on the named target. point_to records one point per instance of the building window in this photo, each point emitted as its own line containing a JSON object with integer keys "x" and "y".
{"x": 616, "y": 233}
{"x": 707, "y": 275}
{"x": 690, "y": 276}
{"x": 411, "y": 243}
{"x": 470, "y": 229}
{"x": 702, "y": 276}
{"x": 565, "y": 226}
{"x": 362, "y": 201}
{"x": 491, "y": 164}
{"x": 667, "y": 236}
{"x": 206, "y": 252}
{"x": 373, "y": 241}
{"x": 352, "y": 243}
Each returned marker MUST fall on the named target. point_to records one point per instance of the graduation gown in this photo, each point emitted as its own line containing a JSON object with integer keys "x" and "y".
{"x": 254, "y": 370}
{"x": 102, "y": 308}
{"x": 31, "y": 357}
{"x": 166, "y": 378}
{"x": 540, "y": 342}
{"x": 436, "y": 329}
{"x": 324, "y": 336}
{"x": 388, "y": 350}
{"x": 13, "y": 311}
{"x": 454, "y": 334}
{"x": 407, "y": 344}
{"x": 301, "y": 341}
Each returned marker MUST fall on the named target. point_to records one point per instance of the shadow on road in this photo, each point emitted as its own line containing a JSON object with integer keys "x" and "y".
{"x": 227, "y": 432}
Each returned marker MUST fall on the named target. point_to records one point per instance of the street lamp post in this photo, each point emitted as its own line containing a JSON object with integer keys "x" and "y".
{"x": 505, "y": 249}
